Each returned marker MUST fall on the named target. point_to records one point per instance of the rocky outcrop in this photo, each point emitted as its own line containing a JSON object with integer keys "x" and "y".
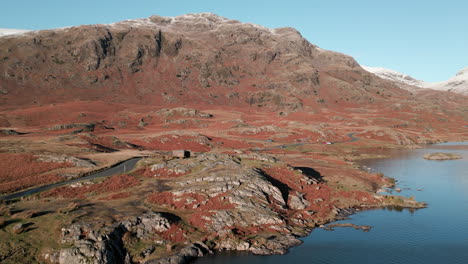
{"x": 81, "y": 127}
{"x": 185, "y": 255}
{"x": 330, "y": 227}
{"x": 89, "y": 242}
{"x": 9, "y": 132}
{"x": 18, "y": 228}
{"x": 144, "y": 226}
{"x": 298, "y": 202}
{"x": 85, "y": 163}
{"x": 102, "y": 245}
{"x": 276, "y": 245}
{"x": 97, "y": 244}
{"x": 182, "y": 112}
{"x": 237, "y": 186}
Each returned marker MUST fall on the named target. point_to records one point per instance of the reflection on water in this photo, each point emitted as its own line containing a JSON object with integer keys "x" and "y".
{"x": 437, "y": 234}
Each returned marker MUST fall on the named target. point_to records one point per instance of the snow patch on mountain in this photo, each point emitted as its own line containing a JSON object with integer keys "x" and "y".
{"x": 456, "y": 84}
{"x": 393, "y": 76}
{"x": 8, "y": 31}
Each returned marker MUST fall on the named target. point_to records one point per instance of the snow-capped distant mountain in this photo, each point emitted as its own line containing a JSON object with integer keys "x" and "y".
{"x": 8, "y": 31}
{"x": 456, "y": 84}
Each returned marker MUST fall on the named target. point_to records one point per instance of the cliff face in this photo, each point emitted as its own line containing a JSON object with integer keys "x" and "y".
{"x": 200, "y": 58}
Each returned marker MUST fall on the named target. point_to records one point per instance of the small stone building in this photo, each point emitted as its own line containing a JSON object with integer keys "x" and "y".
{"x": 181, "y": 154}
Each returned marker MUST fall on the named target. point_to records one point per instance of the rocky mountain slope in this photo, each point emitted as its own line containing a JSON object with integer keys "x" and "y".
{"x": 201, "y": 58}
{"x": 456, "y": 84}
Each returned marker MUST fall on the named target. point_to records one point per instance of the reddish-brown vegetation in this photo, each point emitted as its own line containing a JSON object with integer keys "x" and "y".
{"x": 323, "y": 198}
{"x": 286, "y": 175}
{"x": 259, "y": 135}
{"x": 21, "y": 171}
{"x": 233, "y": 144}
{"x": 174, "y": 142}
{"x": 199, "y": 206}
{"x": 113, "y": 184}
{"x": 200, "y": 219}
{"x": 28, "y": 182}
{"x": 110, "y": 142}
{"x": 185, "y": 201}
{"x": 175, "y": 234}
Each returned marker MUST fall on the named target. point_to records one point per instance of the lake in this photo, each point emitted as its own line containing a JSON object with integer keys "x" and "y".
{"x": 436, "y": 234}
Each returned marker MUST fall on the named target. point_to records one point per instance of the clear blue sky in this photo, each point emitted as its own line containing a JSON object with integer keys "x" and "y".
{"x": 426, "y": 39}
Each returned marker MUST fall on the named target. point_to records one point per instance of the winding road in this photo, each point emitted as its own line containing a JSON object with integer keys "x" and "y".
{"x": 122, "y": 167}
{"x": 128, "y": 165}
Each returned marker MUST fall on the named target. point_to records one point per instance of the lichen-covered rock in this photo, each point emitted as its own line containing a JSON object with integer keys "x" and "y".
{"x": 86, "y": 251}
{"x": 144, "y": 226}
{"x": 95, "y": 245}
{"x": 92, "y": 244}
{"x": 298, "y": 202}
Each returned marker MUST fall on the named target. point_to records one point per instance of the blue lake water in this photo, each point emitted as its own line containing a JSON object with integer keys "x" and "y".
{"x": 436, "y": 234}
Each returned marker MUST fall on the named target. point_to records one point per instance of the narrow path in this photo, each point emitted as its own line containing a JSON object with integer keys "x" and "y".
{"x": 122, "y": 167}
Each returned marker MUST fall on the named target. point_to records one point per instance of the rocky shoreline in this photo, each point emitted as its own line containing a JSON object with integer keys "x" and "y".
{"x": 105, "y": 245}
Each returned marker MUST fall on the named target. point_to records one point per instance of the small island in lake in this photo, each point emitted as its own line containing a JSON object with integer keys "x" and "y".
{"x": 442, "y": 156}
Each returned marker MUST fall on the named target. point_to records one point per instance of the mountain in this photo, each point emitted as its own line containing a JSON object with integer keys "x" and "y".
{"x": 456, "y": 84}
{"x": 195, "y": 58}
{"x": 6, "y": 31}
